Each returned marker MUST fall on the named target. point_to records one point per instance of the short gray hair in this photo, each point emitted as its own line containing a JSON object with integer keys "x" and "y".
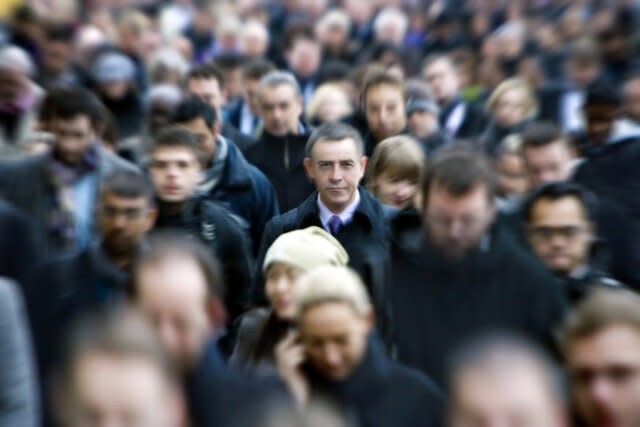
{"x": 334, "y": 131}
{"x": 278, "y": 78}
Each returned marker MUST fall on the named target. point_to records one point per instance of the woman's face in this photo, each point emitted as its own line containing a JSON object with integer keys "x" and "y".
{"x": 511, "y": 108}
{"x": 280, "y": 285}
{"x": 334, "y": 107}
{"x": 511, "y": 175}
{"x": 396, "y": 191}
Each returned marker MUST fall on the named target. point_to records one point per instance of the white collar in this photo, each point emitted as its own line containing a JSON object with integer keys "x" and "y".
{"x": 345, "y": 216}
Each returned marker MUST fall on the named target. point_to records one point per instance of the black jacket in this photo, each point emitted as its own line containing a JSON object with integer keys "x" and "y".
{"x": 217, "y": 229}
{"x": 577, "y": 287}
{"x": 366, "y": 240}
{"x": 380, "y": 392}
{"x": 281, "y": 160}
{"x": 18, "y": 245}
{"x": 246, "y": 192}
{"x": 232, "y": 134}
{"x": 472, "y": 123}
{"x": 439, "y": 303}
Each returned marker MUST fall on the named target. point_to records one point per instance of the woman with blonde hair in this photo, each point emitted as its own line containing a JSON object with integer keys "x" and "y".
{"x": 395, "y": 172}
{"x": 511, "y": 106}
{"x": 328, "y": 104}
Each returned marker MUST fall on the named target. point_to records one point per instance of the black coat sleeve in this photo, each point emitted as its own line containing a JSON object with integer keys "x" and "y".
{"x": 271, "y": 232}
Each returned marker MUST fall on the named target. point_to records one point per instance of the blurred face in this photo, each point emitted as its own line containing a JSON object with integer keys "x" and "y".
{"x": 605, "y": 377}
{"x": 304, "y": 57}
{"x": 116, "y": 89}
{"x": 515, "y": 397}
{"x": 336, "y": 167}
{"x": 280, "y": 285}
{"x": 456, "y": 224}
{"x": 254, "y": 44}
{"x": 280, "y": 109}
{"x": 442, "y": 78}
{"x": 385, "y": 110}
{"x": 511, "y": 108}
{"x": 582, "y": 75}
{"x": 209, "y": 91}
{"x": 560, "y": 234}
{"x": 174, "y": 294}
{"x": 121, "y": 391}
{"x": 123, "y": 222}
{"x": 159, "y": 115}
{"x": 205, "y": 136}
{"x": 548, "y": 163}
{"x": 12, "y": 83}
{"x": 73, "y": 137}
{"x": 423, "y": 124}
{"x": 395, "y": 190}
{"x": 334, "y": 337}
{"x": 511, "y": 176}
{"x": 632, "y": 99}
{"x": 233, "y": 83}
{"x": 56, "y": 56}
{"x": 600, "y": 118}
{"x": 334, "y": 107}
{"x": 175, "y": 173}
{"x": 251, "y": 95}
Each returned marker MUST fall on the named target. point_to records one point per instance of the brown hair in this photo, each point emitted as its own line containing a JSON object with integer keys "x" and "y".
{"x": 379, "y": 77}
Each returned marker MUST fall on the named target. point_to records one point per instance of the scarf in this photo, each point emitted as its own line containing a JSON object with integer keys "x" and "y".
{"x": 214, "y": 173}
{"x": 63, "y": 177}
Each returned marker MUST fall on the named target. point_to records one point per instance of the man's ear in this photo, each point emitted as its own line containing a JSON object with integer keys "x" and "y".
{"x": 216, "y": 313}
{"x": 307, "y": 167}
{"x": 215, "y": 129}
{"x": 151, "y": 216}
{"x": 370, "y": 319}
{"x": 364, "y": 160}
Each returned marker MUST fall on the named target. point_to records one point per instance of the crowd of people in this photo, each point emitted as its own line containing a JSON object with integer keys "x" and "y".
{"x": 319, "y": 213}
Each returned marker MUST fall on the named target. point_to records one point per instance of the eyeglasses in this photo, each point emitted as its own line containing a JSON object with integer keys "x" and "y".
{"x": 547, "y": 232}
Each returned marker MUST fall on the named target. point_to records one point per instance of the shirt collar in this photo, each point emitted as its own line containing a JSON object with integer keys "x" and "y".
{"x": 345, "y": 216}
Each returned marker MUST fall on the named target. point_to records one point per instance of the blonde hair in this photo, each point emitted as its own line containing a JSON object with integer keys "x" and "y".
{"x": 399, "y": 155}
{"x": 329, "y": 283}
{"x": 319, "y": 98}
{"x": 514, "y": 83}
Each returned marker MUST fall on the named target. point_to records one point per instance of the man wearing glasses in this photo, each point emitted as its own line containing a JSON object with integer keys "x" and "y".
{"x": 560, "y": 229}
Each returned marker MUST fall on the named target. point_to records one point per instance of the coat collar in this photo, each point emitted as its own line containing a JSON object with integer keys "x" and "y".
{"x": 308, "y": 213}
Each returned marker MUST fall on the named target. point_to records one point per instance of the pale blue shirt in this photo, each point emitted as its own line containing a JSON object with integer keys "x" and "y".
{"x": 346, "y": 216}
{"x": 84, "y": 197}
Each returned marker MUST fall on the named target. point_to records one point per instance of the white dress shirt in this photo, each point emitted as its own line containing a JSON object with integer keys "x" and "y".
{"x": 346, "y": 216}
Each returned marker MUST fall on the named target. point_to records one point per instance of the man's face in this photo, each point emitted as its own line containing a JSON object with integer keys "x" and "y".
{"x": 385, "y": 110}
{"x": 336, "y": 167}
{"x": 334, "y": 337}
{"x": 73, "y": 137}
{"x": 174, "y": 294}
{"x": 280, "y": 109}
{"x": 582, "y": 74}
{"x": 442, "y": 78}
{"x": 560, "y": 234}
{"x": 175, "y": 173}
{"x": 123, "y": 222}
{"x": 209, "y": 91}
{"x": 12, "y": 84}
{"x": 632, "y": 99}
{"x": 206, "y": 136}
{"x": 233, "y": 83}
{"x": 548, "y": 163}
{"x": 251, "y": 95}
{"x": 456, "y": 224}
{"x": 423, "y": 124}
{"x": 57, "y": 55}
{"x": 123, "y": 391}
{"x": 600, "y": 118}
{"x": 304, "y": 57}
{"x": 159, "y": 115}
{"x": 604, "y": 369}
{"x": 515, "y": 397}
{"x": 280, "y": 284}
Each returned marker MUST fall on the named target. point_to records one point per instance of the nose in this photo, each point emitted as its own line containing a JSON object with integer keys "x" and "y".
{"x": 336, "y": 175}
{"x": 168, "y": 336}
{"x": 404, "y": 190}
{"x": 332, "y": 356}
{"x": 455, "y": 229}
{"x": 282, "y": 284}
{"x": 601, "y": 390}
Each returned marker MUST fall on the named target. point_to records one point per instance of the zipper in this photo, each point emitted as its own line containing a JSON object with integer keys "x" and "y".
{"x": 286, "y": 153}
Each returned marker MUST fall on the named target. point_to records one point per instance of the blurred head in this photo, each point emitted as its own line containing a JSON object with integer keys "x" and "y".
{"x": 601, "y": 344}
{"x": 384, "y": 104}
{"x": 546, "y": 154}
{"x": 254, "y": 39}
{"x": 74, "y": 118}
{"x": 422, "y": 109}
{"x": 175, "y": 167}
{"x": 390, "y": 26}
{"x": 395, "y": 172}
{"x": 15, "y": 70}
{"x": 559, "y": 223}
{"x": 441, "y": 75}
{"x": 114, "y": 73}
{"x": 601, "y": 108}
{"x": 115, "y": 373}
{"x": 335, "y": 317}
{"x": 280, "y": 103}
{"x": 512, "y": 102}
{"x": 161, "y": 101}
{"x": 333, "y": 30}
{"x": 336, "y": 163}
{"x": 289, "y": 257}
{"x": 177, "y": 283}
{"x": 302, "y": 51}
{"x": 583, "y": 63}
{"x": 167, "y": 66}
{"x": 202, "y": 120}
{"x": 512, "y": 179}
{"x": 631, "y": 98}
{"x": 459, "y": 208}
{"x": 231, "y": 65}
{"x": 328, "y": 104}
{"x": 505, "y": 381}
{"x": 125, "y": 212}
{"x": 253, "y": 72}
{"x": 57, "y": 50}
{"x": 207, "y": 83}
